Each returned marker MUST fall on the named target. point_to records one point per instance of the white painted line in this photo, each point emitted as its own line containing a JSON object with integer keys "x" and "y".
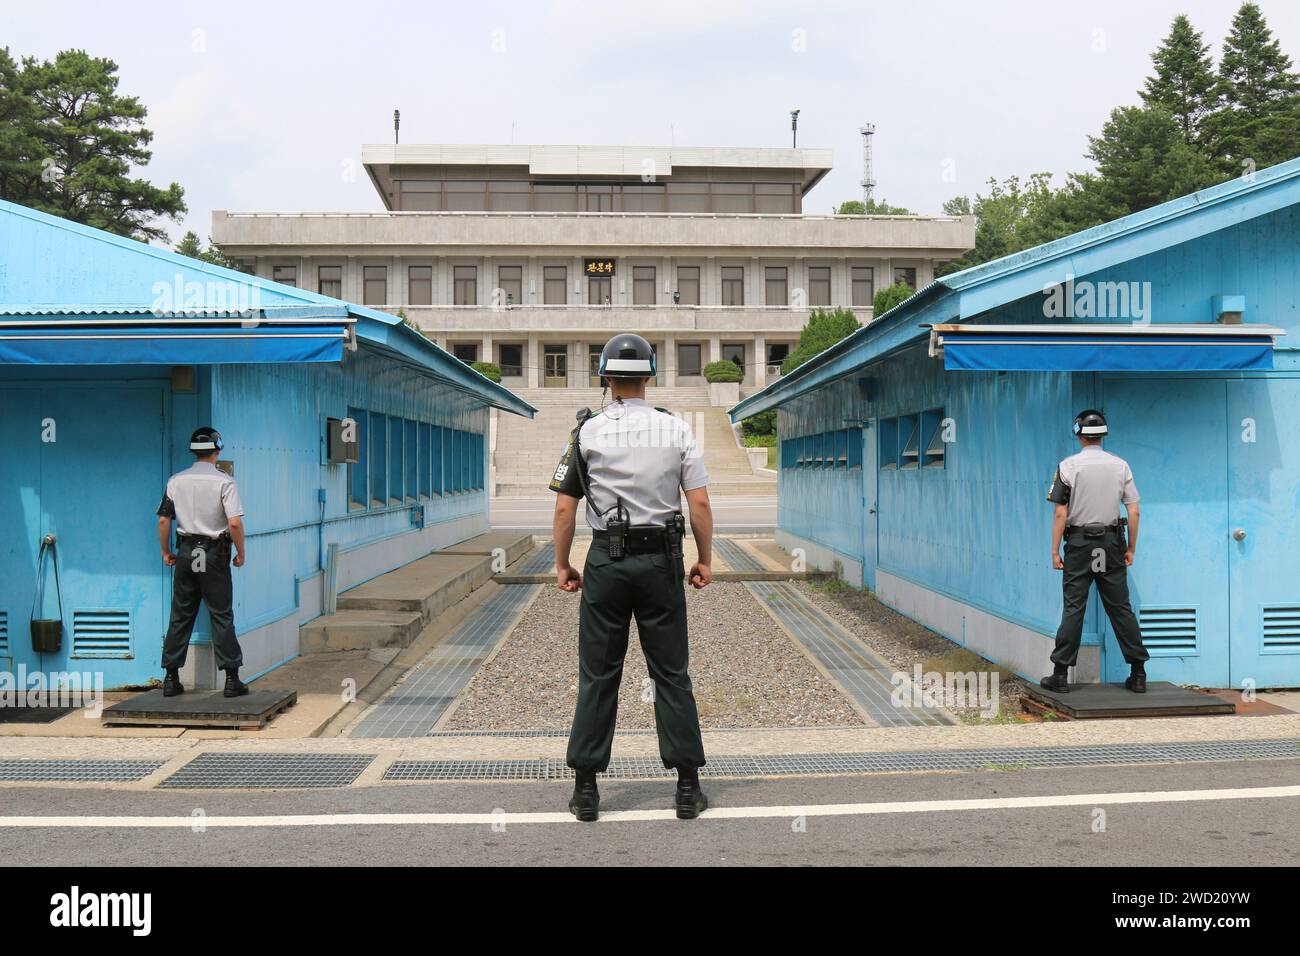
{"x": 640, "y": 816}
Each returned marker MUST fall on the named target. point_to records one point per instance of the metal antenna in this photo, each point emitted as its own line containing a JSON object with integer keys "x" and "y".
{"x": 397, "y": 125}
{"x": 867, "y": 130}
{"x": 794, "y": 129}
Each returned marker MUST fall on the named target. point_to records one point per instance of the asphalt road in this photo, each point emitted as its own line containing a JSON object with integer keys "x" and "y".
{"x": 729, "y": 514}
{"x": 1261, "y": 831}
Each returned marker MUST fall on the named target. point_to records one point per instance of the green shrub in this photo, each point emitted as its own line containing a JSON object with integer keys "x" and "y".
{"x": 723, "y": 371}
{"x": 488, "y": 370}
{"x": 760, "y": 441}
{"x": 823, "y": 330}
{"x": 764, "y": 423}
{"x": 891, "y": 296}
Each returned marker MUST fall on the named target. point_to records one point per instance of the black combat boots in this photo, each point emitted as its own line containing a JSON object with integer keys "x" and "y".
{"x": 689, "y": 801}
{"x": 234, "y": 686}
{"x": 172, "y": 683}
{"x": 585, "y": 802}
{"x": 1137, "y": 678}
{"x": 1059, "y": 681}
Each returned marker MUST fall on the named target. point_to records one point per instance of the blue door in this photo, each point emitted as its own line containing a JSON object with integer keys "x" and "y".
{"x": 90, "y": 471}
{"x": 870, "y": 525}
{"x": 1171, "y": 432}
{"x": 1264, "y": 513}
{"x": 20, "y": 524}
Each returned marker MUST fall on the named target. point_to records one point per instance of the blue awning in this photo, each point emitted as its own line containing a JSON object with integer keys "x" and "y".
{"x": 188, "y": 343}
{"x": 1104, "y": 348}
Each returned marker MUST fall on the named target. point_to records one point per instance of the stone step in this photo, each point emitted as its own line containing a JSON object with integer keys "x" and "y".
{"x": 360, "y": 630}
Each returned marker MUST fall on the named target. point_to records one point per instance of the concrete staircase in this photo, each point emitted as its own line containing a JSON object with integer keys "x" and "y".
{"x": 527, "y": 451}
{"x": 394, "y": 608}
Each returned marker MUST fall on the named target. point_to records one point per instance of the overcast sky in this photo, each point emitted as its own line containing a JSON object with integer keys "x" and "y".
{"x": 264, "y": 106}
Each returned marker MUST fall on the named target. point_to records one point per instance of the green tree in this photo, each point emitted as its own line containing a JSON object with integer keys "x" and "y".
{"x": 1142, "y": 160}
{"x": 86, "y": 138}
{"x": 192, "y": 247}
{"x": 824, "y": 329}
{"x": 1183, "y": 83}
{"x": 856, "y": 207}
{"x": 1258, "y": 121}
{"x": 19, "y": 165}
{"x": 891, "y": 296}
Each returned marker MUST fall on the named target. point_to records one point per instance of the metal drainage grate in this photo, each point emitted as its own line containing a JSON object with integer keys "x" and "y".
{"x": 270, "y": 771}
{"x": 831, "y": 763}
{"x": 736, "y": 556}
{"x": 416, "y": 704}
{"x": 521, "y": 733}
{"x": 542, "y": 561}
{"x": 77, "y": 771}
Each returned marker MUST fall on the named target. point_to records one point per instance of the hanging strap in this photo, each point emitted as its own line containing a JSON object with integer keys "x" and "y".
{"x": 47, "y": 544}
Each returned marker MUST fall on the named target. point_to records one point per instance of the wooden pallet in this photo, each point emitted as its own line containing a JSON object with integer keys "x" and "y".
{"x": 205, "y": 708}
{"x": 1095, "y": 701}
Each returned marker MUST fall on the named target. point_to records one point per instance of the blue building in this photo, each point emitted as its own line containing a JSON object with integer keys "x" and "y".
{"x": 113, "y": 351}
{"x": 917, "y": 453}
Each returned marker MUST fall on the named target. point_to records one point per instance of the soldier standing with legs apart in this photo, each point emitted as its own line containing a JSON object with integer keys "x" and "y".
{"x": 204, "y": 502}
{"x": 631, "y": 462}
{"x": 1088, "y": 489}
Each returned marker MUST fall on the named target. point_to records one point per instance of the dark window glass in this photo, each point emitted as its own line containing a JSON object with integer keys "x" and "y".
{"x": 905, "y": 275}
{"x": 734, "y": 353}
{"x": 419, "y": 195}
{"x": 643, "y": 285}
{"x": 599, "y": 198}
{"x": 357, "y": 494}
{"x": 512, "y": 360}
{"x": 688, "y": 197}
{"x": 466, "y": 285}
{"x": 467, "y": 195}
{"x": 593, "y": 360}
{"x": 733, "y": 285}
{"x": 775, "y": 198}
{"x": 864, "y": 286}
{"x": 549, "y": 197}
{"x": 285, "y": 275}
{"x": 467, "y": 352}
{"x": 424, "y": 443}
{"x": 777, "y": 353}
{"x": 378, "y": 460}
{"x": 412, "y": 457}
{"x": 819, "y": 285}
{"x": 510, "y": 280}
{"x": 508, "y": 196}
{"x": 374, "y": 285}
{"x": 777, "y": 286}
{"x": 688, "y": 285}
{"x": 599, "y": 290}
{"x": 329, "y": 281}
{"x": 733, "y": 197}
{"x": 688, "y": 360}
{"x": 648, "y": 198}
{"x": 555, "y": 285}
{"x": 419, "y": 285}
{"x": 395, "y": 470}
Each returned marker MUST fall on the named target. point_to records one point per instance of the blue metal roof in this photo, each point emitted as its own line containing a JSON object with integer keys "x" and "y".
{"x": 53, "y": 271}
{"x": 990, "y": 285}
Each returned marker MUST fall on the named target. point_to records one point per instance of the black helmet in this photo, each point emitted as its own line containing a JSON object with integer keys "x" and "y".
{"x": 205, "y": 440}
{"x": 627, "y": 356}
{"x": 1090, "y": 423}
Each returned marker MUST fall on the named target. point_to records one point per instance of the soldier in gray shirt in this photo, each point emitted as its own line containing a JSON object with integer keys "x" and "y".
{"x": 1088, "y": 489}
{"x": 204, "y": 502}
{"x": 632, "y": 463}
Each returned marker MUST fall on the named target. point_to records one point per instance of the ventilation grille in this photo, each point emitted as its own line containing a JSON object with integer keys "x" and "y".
{"x": 101, "y": 633}
{"x": 1281, "y": 630}
{"x": 4, "y": 631}
{"x": 1169, "y": 631}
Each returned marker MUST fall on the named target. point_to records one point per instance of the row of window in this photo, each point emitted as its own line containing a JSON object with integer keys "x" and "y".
{"x": 555, "y": 358}
{"x": 837, "y": 449}
{"x": 477, "y": 195}
{"x": 913, "y": 441}
{"x": 401, "y": 461}
{"x": 555, "y": 285}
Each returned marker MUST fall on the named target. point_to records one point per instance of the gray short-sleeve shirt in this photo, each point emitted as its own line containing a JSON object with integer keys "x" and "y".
{"x": 1092, "y": 485}
{"x": 637, "y": 453}
{"x": 202, "y": 499}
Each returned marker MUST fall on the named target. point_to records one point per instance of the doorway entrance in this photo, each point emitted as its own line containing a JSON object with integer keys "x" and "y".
{"x": 555, "y": 366}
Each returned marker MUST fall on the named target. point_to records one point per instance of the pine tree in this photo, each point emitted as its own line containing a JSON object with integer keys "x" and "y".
{"x": 1184, "y": 82}
{"x": 1258, "y": 122}
{"x": 89, "y": 138}
{"x": 1142, "y": 161}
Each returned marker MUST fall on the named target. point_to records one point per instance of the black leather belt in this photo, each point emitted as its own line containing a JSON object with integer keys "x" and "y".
{"x": 202, "y": 539}
{"x": 1098, "y": 528}
{"x": 642, "y": 538}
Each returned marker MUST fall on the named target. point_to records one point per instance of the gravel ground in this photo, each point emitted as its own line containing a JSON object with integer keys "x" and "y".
{"x": 746, "y": 671}
{"x": 905, "y": 643}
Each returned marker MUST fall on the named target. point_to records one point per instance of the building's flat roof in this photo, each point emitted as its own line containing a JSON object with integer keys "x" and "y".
{"x": 658, "y": 161}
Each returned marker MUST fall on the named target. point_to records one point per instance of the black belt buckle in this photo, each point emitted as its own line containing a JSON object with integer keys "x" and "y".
{"x": 1095, "y": 529}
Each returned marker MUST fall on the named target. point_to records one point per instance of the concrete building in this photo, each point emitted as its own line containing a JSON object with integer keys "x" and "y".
{"x": 916, "y": 454}
{"x": 532, "y": 256}
{"x": 113, "y": 351}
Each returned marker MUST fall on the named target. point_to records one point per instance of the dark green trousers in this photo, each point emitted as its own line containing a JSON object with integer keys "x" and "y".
{"x": 1100, "y": 560}
{"x": 212, "y": 584}
{"x": 648, "y": 586}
